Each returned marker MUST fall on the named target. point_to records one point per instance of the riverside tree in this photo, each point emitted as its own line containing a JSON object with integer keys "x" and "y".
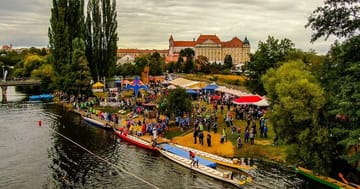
{"x": 297, "y": 99}
{"x": 339, "y": 76}
{"x": 66, "y": 24}
{"x": 338, "y": 17}
{"x": 268, "y": 55}
{"x": 101, "y": 37}
{"x": 176, "y": 103}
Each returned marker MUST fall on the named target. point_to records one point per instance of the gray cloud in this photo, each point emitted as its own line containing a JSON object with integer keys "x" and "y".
{"x": 149, "y": 23}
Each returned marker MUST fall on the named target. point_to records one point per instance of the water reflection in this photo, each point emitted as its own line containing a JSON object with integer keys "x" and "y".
{"x": 36, "y": 157}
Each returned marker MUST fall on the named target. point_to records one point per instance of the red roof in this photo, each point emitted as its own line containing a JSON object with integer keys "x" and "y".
{"x": 184, "y": 43}
{"x": 234, "y": 42}
{"x": 203, "y": 38}
{"x": 146, "y": 51}
{"x": 247, "y": 99}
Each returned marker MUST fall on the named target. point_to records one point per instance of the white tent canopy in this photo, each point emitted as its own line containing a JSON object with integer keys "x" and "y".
{"x": 262, "y": 102}
{"x": 234, "y": 92}
{"x": 181, "y": 82}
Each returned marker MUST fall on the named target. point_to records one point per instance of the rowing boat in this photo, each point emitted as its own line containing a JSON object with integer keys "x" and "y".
{"x": 211, "y": 172}
{"x": 135, "y": 140}
{"x": 96, "y": 123}
{"x": 330, "y": 182}
{"x": 221, "y": 160}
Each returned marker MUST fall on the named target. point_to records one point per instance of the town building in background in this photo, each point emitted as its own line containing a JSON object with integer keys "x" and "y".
{"x": 213, "y": 48}
{"x": 129, "y": 55}
{"x": 7, "y": 47}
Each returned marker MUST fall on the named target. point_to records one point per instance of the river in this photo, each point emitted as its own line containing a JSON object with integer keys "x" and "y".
{"x": 41, "y": 157}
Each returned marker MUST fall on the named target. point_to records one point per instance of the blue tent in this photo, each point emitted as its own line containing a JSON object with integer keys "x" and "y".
{"x": 210, "y": 88}
{"x": 190, "y": 91}
{"x": 136, "y": 85}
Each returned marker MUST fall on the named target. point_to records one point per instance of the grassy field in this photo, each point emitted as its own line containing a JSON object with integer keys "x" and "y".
{"x": 262, "y": 149}
{"x": 233, "y": 81}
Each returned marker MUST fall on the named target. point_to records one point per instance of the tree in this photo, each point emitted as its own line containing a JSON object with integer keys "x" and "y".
{"x": 338, "y": 17}
{"x": 101, "y": 37}
{"x": 202, "y": 64}
{"x": 269, "y": 54}
{"x": 81, "y": 76}
{"x": 126, "y": 69}
{"x": 228, "y": 64}
{"x": 156, "y": 64}
{"x": 343, "y": 107}
{"x": 297, "y": 98}
{"x": 170, "y": 67}
{"x": 47, "y": 76}
{"x": 177, "y": 102}
{"x": 189, "y": 64}
{"x": 66, "y": 24}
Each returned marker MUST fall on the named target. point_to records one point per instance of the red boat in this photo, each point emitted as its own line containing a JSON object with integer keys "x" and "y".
{"x": 135, "y": 140}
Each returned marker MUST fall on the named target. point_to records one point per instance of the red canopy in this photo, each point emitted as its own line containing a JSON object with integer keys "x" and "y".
{"x": 247, "y": 99}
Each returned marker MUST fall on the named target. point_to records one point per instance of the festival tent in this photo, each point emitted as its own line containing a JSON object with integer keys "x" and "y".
{"x": 171, "y": 87}
{"x": 98, "y": 85}
{"x": 196, "y": 86}
{"x": 251, "y": 99}
{"x": 117, "y": 83}
{"x": 136, "y": 85}
{"x": 125, "y": 82}
{"x": 184, "y": 83}
{"x": 262, "y": 102}
{"x": 211, "y": 87}
{"x": 190, "y": 91}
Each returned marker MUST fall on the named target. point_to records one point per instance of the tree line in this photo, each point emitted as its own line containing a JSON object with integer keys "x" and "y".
{"x": 83, "y": 45}
{"x": 315, "y": 99}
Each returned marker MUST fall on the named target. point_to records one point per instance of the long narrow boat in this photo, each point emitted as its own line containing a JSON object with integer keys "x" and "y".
{"x": 135, "y": 140}
{"x": 221, "y": 160}
{"x": 211, "y": 172}
{"x": 96, "y": 123}
{"x": 330, "y": 182}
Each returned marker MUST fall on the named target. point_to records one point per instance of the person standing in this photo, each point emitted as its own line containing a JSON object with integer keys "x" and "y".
{"x": 154, "y": 131}
{"x": 215, "y": 127}
{"x": 201, "y": 138}
{"x": 239, "y": 144}
{"x": 208, "y": 139}
{"x": 196, "y": 161}
{"x": 224, "y": 134}
{"x": 195, "y": 134}
{"x": 265, "y": 131}
{"x": 252, "y": 136}
{"x": 246, "y": 136}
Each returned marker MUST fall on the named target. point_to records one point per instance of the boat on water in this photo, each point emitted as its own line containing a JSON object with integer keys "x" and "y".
{"x": 206, "y": 170}
{"x": 221, "y": 160}
{"x": 330, "y": 182}
{"x": 185, "y": 154}
{"x": 42, "y": 97}
{"x": 135, "y": 140}
{"x": 96, "y": 123}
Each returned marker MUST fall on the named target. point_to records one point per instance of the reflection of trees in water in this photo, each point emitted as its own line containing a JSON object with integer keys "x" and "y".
{"x": 73, "y": 166}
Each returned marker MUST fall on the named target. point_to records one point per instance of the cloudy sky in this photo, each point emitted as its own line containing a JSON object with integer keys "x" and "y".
{"x": 149, "y": 23}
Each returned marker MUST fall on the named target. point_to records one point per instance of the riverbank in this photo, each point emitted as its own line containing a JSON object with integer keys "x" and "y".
{"x": 262, "y": 149}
